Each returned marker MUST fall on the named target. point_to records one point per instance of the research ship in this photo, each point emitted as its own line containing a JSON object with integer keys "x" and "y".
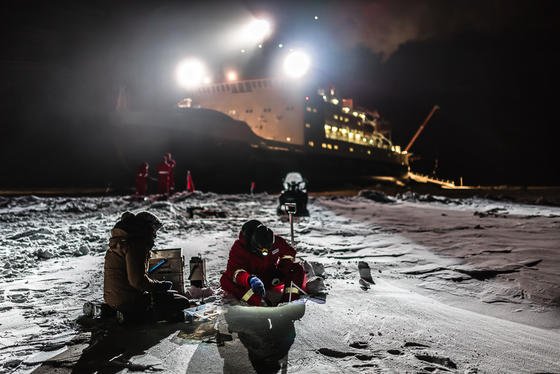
{"x": 323, "y": 136}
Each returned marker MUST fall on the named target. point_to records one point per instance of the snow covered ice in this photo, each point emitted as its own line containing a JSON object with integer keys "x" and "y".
{"x": 465, "y": 285}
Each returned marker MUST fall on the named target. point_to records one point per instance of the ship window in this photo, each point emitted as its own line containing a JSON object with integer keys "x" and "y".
{"x": 369, "y": 152}
{"x": 311, "y": 143}
{"x": 259, "y": 84}
{"x": 335, "y": 146}
{"x": 288, "y": 139}
{"x": 345, "y": 119}
{"x": 240, "y": 87}
{"x": 351, "y": 149}
{"x": 323, "y": 145}
{"x": 248, "y": 86}
{"x": 329, "y": 146}
{"x": 314, "y": 110}
{"x": 308, "y": 109}
{"x": 335, "y": 116}
{"x": 307, "y": 125}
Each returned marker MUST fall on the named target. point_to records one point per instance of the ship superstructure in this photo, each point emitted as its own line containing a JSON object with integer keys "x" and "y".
{"x": 319, "y": 122}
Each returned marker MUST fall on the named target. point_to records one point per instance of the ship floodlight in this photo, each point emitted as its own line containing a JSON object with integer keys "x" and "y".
{"x": 256, "y": 31}
{"x": 296, "y": 64}
{"x": 191, "y": 73}
{"x": 231, "y": 76}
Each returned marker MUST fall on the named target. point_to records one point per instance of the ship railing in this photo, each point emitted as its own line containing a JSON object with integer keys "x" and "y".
{"x": 423, "y": 178}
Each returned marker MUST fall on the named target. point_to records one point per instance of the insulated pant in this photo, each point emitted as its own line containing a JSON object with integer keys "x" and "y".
{"x": 156, "y": 306}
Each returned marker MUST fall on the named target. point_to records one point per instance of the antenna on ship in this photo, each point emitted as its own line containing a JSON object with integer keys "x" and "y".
{"x": 421, "y": 128}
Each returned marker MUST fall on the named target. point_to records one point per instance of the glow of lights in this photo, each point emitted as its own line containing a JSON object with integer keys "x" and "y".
{"x": 251, "y": 34}
{"x": 296, "y": 64}
{"x": 280, "y": 45}
{"x": 231, "y": 76}
{"x": 257, "y": 30}
{"x": 316, "y": 18}
{"x": 191, "y": 73}
{"x": 242, "y": 51}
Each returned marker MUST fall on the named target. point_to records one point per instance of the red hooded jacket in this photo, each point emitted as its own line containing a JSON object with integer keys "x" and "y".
{"x": 242, "y": 263}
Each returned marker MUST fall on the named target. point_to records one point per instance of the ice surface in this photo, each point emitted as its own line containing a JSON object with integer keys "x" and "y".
{"x": 453, "y": 284}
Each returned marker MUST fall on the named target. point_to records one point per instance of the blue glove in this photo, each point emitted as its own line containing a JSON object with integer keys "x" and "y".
{"x": 257, "y": 286}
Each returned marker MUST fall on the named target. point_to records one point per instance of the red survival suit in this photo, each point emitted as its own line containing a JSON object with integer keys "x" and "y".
{"x": 171, "y": 165}
{"x": 163, "y": 170}
{"x": 142, "y": 179}
{"x": 276, "y": 270}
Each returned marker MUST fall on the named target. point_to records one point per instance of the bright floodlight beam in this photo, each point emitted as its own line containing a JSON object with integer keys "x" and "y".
{"x": 256, "y": 31}
{"x": 191, "y": 73}
{"x": 297, "y": 64}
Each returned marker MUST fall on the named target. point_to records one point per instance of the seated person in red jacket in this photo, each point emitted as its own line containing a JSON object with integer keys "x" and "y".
{"x": 261, "y": 262}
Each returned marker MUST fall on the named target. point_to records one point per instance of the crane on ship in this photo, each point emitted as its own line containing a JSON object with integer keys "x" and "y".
{"x": 424, "y": 178}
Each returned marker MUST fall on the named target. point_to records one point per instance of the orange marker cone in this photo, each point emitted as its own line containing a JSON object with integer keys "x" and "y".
{"x": 190, "y": 183}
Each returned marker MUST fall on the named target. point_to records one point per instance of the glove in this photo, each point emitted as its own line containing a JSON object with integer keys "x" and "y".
{"x": 164, "y": 286}
{"x": 257, "y": 286}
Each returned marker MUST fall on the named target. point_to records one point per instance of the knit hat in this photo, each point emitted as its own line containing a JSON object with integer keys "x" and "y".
{"x": 141, "y": 224}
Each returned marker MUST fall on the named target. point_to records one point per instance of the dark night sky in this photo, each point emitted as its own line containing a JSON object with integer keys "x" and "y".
{"x": 492, "y": 67}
